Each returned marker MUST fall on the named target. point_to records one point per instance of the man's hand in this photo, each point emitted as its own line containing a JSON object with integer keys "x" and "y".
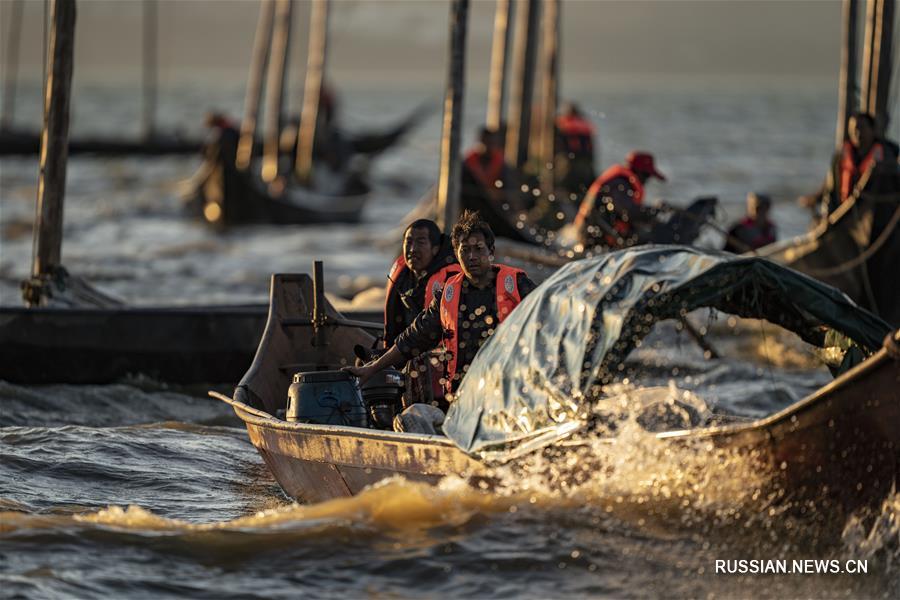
{"x": 363, "y": 373}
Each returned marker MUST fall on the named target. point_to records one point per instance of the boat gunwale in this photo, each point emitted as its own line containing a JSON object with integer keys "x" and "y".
{"x": 258, "y": 418}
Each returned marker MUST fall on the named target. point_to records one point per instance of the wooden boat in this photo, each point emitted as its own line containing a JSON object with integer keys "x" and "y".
{"x": 844, "y": 251}
{"x": 839, "y": 447}
{"x": 184, "y": 345}
{"x": 224, "y": 195}
{"x": 18, "y": 142}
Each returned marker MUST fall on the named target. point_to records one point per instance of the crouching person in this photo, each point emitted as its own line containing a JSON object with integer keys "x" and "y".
{"x": 461, "y": 316}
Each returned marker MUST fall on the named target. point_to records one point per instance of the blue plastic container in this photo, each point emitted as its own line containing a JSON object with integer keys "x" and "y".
{"x": 326, "y": 398}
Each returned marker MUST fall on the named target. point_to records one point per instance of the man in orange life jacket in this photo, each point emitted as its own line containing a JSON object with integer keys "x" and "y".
{"x": 864, "y": 164}
{"x": 612, "y": 210}
{"x": 575, "y": 150}
{"x": 484, "y": 173}
{"x": 755, "y": 230}
{"x": 418, "y": 273}
{"x": 466, "y": 312}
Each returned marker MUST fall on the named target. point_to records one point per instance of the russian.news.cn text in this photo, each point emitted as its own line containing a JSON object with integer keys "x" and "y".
{"x": 807, "y": 566}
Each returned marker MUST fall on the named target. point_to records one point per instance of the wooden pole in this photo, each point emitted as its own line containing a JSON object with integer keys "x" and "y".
{"x": 499, "y": 55}
{"x": 14, "y": 36}
{"x": 876, "y": 63}
{"x": 253, "y": 95}
{"x": 549, "y": 92}
{"x": 449, "y": 179}
{"x": 275, "y": 80}
{"x": 879, "y": 98}
{"x": 47, "y": 247}
{"x": 522, "y": 84}
{"x": 312, "y": 91}
{"x": 150, "y": 29}
{"x": 847, "y": 86}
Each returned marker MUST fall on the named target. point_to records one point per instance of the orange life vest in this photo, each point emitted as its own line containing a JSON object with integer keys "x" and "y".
{"x": 577, "y": 132}
{"x": 851, "y": 172}
{"x": 435, "y": 282}
{"x": 487, "y": 175}
{"x": 590, "y": 199}
{"x": 508, "y": 297}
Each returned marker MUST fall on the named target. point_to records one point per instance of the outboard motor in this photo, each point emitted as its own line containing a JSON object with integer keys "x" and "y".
{"x": 325, "y": 398}
{"x": 382, "y": 395}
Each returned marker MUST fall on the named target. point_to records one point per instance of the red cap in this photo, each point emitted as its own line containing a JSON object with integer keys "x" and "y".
{"x": 642, "y": 162}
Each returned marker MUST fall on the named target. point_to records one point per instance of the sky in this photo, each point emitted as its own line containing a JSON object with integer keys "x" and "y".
{"x": 401, "y": 40}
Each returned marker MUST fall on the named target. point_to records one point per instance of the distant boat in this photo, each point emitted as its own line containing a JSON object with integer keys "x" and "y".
{"x": 174, "y": 344}
{"x": 20, "y": 142}
{"x": 839, "y": 447}
{"x": 224, "y": 195}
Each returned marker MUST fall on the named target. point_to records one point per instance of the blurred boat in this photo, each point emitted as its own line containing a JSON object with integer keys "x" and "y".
{"x": 224, "y": 195}
{"x": 28, "y": 143}
{"x": 840, "y": 446}
{"x": 856, "y": 249}
{"x": 182, "y": 345}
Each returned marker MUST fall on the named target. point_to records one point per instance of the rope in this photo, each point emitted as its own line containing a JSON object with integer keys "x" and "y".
{"x": 862, "y": 256}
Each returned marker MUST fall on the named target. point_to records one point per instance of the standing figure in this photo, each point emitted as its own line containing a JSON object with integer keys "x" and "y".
{"x": 575, "y": 156}
{"x": 612, "y": 213}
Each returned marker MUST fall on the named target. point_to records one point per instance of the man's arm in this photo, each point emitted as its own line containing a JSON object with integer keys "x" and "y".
{"x": 423, "y": 334}
{"x": 525, "y": 285}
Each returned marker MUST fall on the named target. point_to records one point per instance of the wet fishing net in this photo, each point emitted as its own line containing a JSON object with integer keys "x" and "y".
{"x": 548, "y": 366}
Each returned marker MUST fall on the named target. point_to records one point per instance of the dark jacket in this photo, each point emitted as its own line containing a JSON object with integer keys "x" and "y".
{"x": 407, "y": 298}
{"x": 426, "y": 332}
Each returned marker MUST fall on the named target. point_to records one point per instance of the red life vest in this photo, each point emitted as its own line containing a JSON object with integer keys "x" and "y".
{"x": 435, "y": 282}
{"x": 508, "y": 297}
{"x": 590, "y": 199}
{"x": 851, "y": 172}
{"x": 487, "y": 175}
{"x": 577, "y": 132}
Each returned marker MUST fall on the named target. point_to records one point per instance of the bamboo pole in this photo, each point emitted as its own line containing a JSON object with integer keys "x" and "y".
{"x": 150, "y": 37}
{"x": 549, "y": 92}
{"x": 275, "y": 80}
{"x": 865, "y": 80}
{"x": 312, "y": 91}
{"x": 253, "y": 95}
{"x": 449, "y": 178}
{"x": 879, "y": 98}
{"x": 876, "y": 70}
{"x": 499, "y": 56}
{"x": 522, "y": 84}
{"x": 13, "y": 39}
{"x": 847, "y": 86}
{"x": 47, "y": 247}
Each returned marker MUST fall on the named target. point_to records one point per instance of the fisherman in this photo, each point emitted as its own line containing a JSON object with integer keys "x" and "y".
{"x": 463, "y": 315}
{"x": 484, "y": 173}
{"x": 755, "y": 230}
{"x": 575, "y": 150}
{"x": 418, "y": 273}
{"x": 426, "y": 263}
{"x": 223, "y": 138}
{"x": 612, "y": 210}
{"x": 865, "y": 163}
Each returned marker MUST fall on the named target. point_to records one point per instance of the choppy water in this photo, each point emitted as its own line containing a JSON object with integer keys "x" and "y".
{"x": 144, "y": 490}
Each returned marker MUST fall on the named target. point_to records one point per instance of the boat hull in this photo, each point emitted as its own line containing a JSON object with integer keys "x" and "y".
{"x": 833, "y": 452}
{"x": 184, "y": 345}
{"x": 313, "y": 463}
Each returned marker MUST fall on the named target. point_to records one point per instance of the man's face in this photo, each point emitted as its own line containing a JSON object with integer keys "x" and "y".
{"x": 861, "y": 135}
{"x": 418, "y": 250}
{"x": 474, "y": 256}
